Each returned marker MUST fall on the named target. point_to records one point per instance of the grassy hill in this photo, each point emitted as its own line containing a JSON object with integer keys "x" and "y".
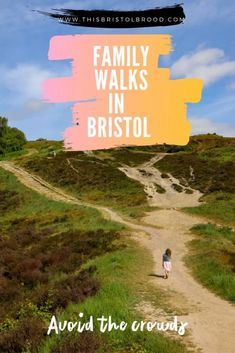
{"x": 60, "y": 259}
{"x": 90, "y": 177}
{"x": 43, "y": 247}
{"x": 64, "y": 259}
{"x": 207, "y": 164}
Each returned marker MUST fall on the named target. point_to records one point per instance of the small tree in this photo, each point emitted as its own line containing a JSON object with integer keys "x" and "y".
{"x": 11, "y": 139}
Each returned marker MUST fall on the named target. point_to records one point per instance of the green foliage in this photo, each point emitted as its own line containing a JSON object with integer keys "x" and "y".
{"x": 121, "y": 290}
{"x": 29, "y": 309}
{"x": 214, "y": 231}
{"x": 90, "y": 179}
{"x": 206, "y": 164}
{"x": 8, "y": 324}
{"x": 87, "y": 268}
{"x": 159, "y": 188}
{"x": 212, "y": 259}
{"x": 202, "y": 174}
{"x": 43, "y": 245}
{"x": 11, "y": 139}
{"x": 221, "y": 154}
{"x": 219, "y": 206}
{"x": 128, "y": 155}
{"x": 44, "y": 147}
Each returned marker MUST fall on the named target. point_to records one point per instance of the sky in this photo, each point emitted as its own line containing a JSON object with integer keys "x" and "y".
{"x": 204, "y": 47}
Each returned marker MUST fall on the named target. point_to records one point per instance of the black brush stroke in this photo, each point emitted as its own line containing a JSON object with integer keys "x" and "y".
{"x": 67, "y": 16}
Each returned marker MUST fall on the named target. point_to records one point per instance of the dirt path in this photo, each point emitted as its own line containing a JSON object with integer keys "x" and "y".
{"x": 211, "y": 319}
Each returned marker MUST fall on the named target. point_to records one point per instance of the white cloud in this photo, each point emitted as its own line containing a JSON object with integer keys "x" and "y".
{"x": 22, "y": 85}
{"x": 25, "y": 79}
{"x": 204, "y": 125}
{"x": 208, "y": 64}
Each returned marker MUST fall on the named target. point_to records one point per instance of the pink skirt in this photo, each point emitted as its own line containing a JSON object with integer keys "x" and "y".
{"x": 167, "y": 266}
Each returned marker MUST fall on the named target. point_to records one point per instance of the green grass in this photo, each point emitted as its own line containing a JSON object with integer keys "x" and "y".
{"x": 218, "y": 206}
{"x": 221, "y": 154}
{"x": 159, "y": 189}
{"x": 43, "y": 245}
{"x": 40, "y": 148}
{"x": 31, "y": 204}
{"x": 128, "y": 156}
{"x": 123, "y": 276}
{"x": 212, "y": 160}
{"x": 13, "y": 155}
{"x": 91, "y": 180}
{"x": 212, "y": 259}
{"x": 117, "y": 156}
{"x": 98, "y": 180}
{"x": 44, "y": 147}
{"x": 35, "y": 228}
{"x": 209, "y": 175}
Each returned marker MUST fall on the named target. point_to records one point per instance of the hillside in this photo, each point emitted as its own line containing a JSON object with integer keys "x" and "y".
{"x": 59, "y": 258}
{"x": 60, "y": 255}
{"x": 206, "y": 164}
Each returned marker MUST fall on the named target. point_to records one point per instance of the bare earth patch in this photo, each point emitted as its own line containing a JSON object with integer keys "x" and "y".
{"x": 175, "y": 195}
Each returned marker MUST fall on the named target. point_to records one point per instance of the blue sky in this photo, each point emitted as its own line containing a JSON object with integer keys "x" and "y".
{"x": 204, "y": 47}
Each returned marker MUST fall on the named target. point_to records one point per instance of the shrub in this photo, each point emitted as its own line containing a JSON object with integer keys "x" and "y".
{"x": 29, "y": 272}
{"x": 72, "y": 290}
{"x": 86, "y": 342}
{"x": 26, "y": 337}
{"x": 11, "y": 139}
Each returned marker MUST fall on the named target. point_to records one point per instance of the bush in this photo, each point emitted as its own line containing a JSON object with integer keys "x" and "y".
{"x": 26, "y": 337}
{"x": 210, "y": 176}
{"x": 11, "y": 139}
{"x": 86, "y": 342}
{"x": 74, "y": 289}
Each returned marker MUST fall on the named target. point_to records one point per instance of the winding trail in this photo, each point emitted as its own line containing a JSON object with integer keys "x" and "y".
{"x": 211, "y": 319}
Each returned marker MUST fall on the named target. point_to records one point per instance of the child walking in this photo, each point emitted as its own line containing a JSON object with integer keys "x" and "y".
{"x": 166, "y": 262}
